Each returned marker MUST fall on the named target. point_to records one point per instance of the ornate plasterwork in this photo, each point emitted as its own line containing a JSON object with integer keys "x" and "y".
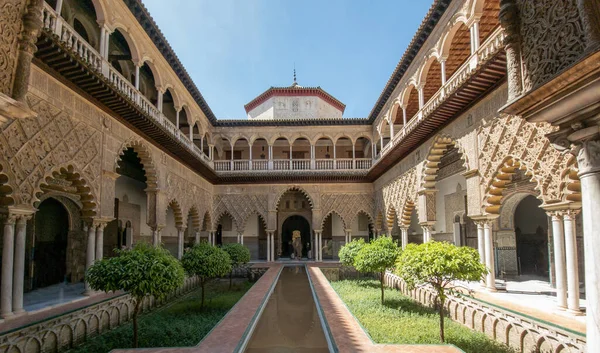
{"x": 240, "y": 207}
{"x": 553, "y": 38}
{"x": 52, "y": 142}
{"x": 10, "y": 26}
{"x": 347, "y": 206}
{"x": 510, "y": 138}
{"x": 401, "y": 189}
{"x": 187, "y": 194}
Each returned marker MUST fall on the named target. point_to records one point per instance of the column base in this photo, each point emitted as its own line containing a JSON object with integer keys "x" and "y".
{"x": 19, "y": 312}
{"x": 7, "y": 316}
{"x": 575, "y": 312}
{"x": 561, "y": 308}
{"x": 491, "y": 289}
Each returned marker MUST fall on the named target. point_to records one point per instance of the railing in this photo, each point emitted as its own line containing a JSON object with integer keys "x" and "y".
{"x": 221, "y": 166}
{"x": 300, "y": 164}
{"x": 323, "y": 164}
{"x": 122, "y": 84}
{"x": 241, "y": 164}
{"x": 343, "y": 163}
{"x": 260, "y": 164}
{"x": 363, "y": 163}
{"x": 486, "y": 51}
{"x": 281, "y": 164}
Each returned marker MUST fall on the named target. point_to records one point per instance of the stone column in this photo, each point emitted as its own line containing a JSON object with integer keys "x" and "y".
{"x": 273, "y": 246}
{"x": 58, "y": 7}
{"x": 8, "y": 248}
{"x": 103, "y": 39}
{"x": 443, "y": 70}
{"x": 155, "y": 241}
{"x": 559, "y": 258}
{"x": 404, "y": 236}
{"x": 268, "y": 246}
{"x": 19, "y": 266}
{"x": 180, "y": 231}
{"x": 571, "y": 261}
{"x": 177, "y": 111}
{"x": 100, "y": 240}
{"x": 421, "y": 96}
{"x": 474, "y": 31}
{"x": 318, "y": 253}
{"x": 90, "y": 255}
{"x": 137, "y": 82}
{"x": 480, "y": 241}
{"x": 197, "y": 237}
{"x": 32, "y": 24}
{"x": 159, "y": 100}
{"x": 588, "y": 160}
{"x": 456, "y": 233}
{"x": 403, "y": 116}
{"x": 489, "y": 256}
{"x": 427, "y": 229}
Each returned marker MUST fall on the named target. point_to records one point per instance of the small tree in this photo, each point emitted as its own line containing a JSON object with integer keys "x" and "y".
{"x": 377, "y": 256}
{"x": 141, "y": 271}
{"x": 206, "y": 262}
{"x": 439, "y": 264}
{"x": 239, "y": 256}
{"x": 348, "y": 252}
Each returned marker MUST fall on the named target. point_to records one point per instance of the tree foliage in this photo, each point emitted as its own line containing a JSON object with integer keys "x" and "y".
{"x": 142, "y": 271}
{"x": 239, "y": 255}
{"x": 348, "y": 252}
{"x": 377, "y": 256}
{"x": 439, "y": 264}
{"x": 206, "y": 262}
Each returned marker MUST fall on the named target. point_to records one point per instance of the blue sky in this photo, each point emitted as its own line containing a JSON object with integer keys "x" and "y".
{"x": 236, "y": 49}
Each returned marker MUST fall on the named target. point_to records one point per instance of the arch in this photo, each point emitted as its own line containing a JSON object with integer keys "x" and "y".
{"x": 410, "y": 100}
{"x": 342, "y": 136}
{"x": 488, "y": 12}
{"x": 6, "y": 186}
{"x": 365, "y": 212}
{"x": 441, "y": 144}
{"x": 195, "y": 215}
{"x": 293, "y": 188}
{"x": 367, "y": 150}
{"x": 207, "y": 224}
{"x": 158, "y": 79}
{"x": 330, "y": 213}
{"x": 100, "y": 8}
{"x": 298, "y": 136}
{"x": 145, "y": 156}
{"x": 407, "y": 210}
{"x": 174, "y": 205}
{"x": 321, "y": 136}
{"x": 278, "y": 137}
{"x": 395, "y": 114}
{"x": 133, "y": 47}
{"x": 262, "y": 219}
{"x": 456, "y": 46}
{"x": 509, "y": 206}
{"x": 84, "y": 190}
{"x": 431, "y": 77}
{"x": 64, "y": 199}
{"x": 390, "y": 218}
{"x": 379, "y": 221}
{"x": 494, "y": 192}
{"x": 233, "y": 220}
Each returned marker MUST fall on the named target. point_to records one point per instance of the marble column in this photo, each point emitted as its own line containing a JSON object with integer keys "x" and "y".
{"x": 90, "y": 253}
{"x": 8, "y": 248}
{"x": 480, "y": 241}
{"x": 180, "y": 231}
{"x": 456, "y": 233}
{"x": 154, "y": 236}
{"x": 19, "y": 266}
{"x": 427, "y": 228}
{"x": 569, "y": 218}
{"x": 100, "y": 241}
{"x": 489, "y": 256}
{"x": 588, "y": 159}
{"x": 404, "y": 236}
{"x": 560, "y": 271}
{"x": 273, "y": 246}
{"x": 197, "y": 237}
{"x": 268, "y": 246}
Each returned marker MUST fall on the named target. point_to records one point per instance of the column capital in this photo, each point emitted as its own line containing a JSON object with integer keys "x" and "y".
{"x": 318, "y": 231}
{"x": 182, "y": 228}
{"x": 348, "y": 230}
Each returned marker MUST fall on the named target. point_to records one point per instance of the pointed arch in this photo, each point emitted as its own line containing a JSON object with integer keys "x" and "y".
{"x": 293, "y": 188}
{"x": 366, "y": 213}
{"x": 195, "y": 216}
{"x": 407, "y": 210}
{"x": 83, "y": 189}
{"x": 145, "y": 156}
{"x": 390, "y": 219}
{"x": 233, "y": 220}
{"x": 174, "y": 205}
{"x": 330, "y": 213}
{"x": 261, "y": 219}
{"x": 440, "y": 145}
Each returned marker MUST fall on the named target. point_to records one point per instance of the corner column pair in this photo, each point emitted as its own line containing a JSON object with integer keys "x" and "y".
{"x": 270, "y": 245}
{"x": 95, "y": 245}
{"x": 485, "y": 247}
{"x": 13, "y": 262}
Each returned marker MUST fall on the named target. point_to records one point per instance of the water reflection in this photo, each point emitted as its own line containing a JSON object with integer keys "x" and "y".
{"x": 290, "y": 322}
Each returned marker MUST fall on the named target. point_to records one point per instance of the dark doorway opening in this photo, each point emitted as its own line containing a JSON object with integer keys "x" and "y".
{"x": 219, "y": 235}
{"x": 50, "y": 251}
{"x": 531, "y": 232}
{"x": 291, "y": 224}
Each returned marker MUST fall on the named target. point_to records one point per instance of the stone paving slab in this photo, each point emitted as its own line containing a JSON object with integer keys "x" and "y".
{"x": 346, "y": 331}
{"x": 225, "y": 337}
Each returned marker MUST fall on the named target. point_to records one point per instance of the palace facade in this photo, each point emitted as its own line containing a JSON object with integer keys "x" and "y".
{"x": 486, "y": 135}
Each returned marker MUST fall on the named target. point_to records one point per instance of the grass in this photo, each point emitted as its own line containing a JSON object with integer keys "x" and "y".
{"x": 401, "y": 320}
{"x": 177, "y": 324}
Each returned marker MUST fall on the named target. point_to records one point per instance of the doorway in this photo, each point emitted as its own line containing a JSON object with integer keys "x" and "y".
{"x": 50, "y": 250}
{"x": 291, "y": 224}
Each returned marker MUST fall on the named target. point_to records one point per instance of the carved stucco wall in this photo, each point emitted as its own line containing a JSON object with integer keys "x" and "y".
{"x": 11, "y": 12}
{"x": 553, "y": 38}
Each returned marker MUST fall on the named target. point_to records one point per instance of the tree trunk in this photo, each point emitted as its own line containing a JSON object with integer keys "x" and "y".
{"x": 230, "y": 278}
{"x": 382, "y": 278}
{"x": 202, "y": 284}
{"x": 136, "y": 311}
{"x": 441, "y": 311}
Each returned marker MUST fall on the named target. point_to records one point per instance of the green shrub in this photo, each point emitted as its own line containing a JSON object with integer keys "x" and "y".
{"x": 239, "y": 255}
{"x": 377, "y": 256}
{"x": 348, "y": 252}
{"x": 207, "y": 262}
{"x": 142, "y": 271}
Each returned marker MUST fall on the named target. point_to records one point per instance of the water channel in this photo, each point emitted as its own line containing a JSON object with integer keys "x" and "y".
{"x": 290, "y": 321}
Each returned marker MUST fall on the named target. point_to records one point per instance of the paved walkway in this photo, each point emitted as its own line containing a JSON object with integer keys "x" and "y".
{"x": 532, "y": 298}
